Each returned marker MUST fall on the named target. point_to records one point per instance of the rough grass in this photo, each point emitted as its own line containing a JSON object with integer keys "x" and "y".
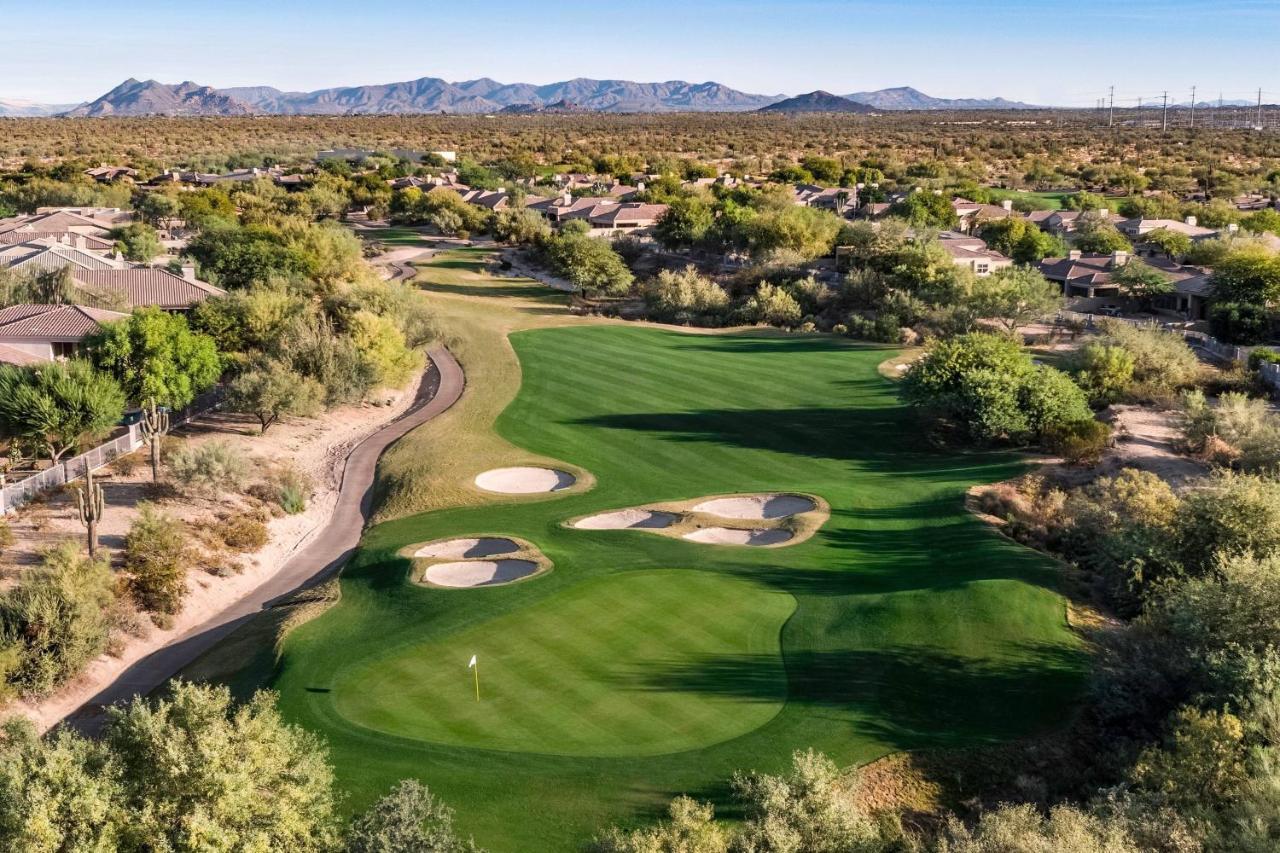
{"x": 915, "y": 625}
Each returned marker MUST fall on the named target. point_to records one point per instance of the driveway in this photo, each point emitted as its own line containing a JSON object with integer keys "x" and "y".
{"x": 318, "y": 560}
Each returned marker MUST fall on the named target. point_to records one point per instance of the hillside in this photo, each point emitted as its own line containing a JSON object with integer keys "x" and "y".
{"x": 817, "y": 102}
{"x": 144, "y": 98}
{"x": 907, "y": 98}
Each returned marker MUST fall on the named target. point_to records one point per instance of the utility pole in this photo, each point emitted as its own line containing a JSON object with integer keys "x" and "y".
{"x": 1164, "y": 112}
{"x": 1193, "y": 107}
{"x": 1217, "y": 117}
{"x": 1259, "y": 108}
{"x": 1111, "y": 109}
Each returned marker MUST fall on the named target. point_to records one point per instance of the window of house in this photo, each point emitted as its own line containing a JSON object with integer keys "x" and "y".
{"x": 63, "y": 349}
{"x": 982, "y": 268}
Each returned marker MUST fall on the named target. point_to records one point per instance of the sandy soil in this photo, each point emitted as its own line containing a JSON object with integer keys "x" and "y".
{"x": 1147, "y": 438}
{"x": 625, "y": 519}
{"x": 470, "y": 573}
{"x": 454, "y": 549}
{"x": 756, "y": 506}
{"x": 734, "y": 536}
{"x": 524, "y": 480}
{"x": 315, "y": 447}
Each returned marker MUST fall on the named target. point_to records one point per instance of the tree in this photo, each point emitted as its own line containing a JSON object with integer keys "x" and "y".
{"x": 1104, "y": 371}
{"x": 521, "y": 226}
{"x": 155, "y": 555}
{"x": 1014, "y": 296}
{"x": 383, "y": 349}
{"x": 925, "y": 209}
{"x": 589, "y": 264}
{"x": 1240, "y": 322}
{"x": 1020, "y": 239}
{"x": 269, "y": 390}
{"x": 137, "y": 241}
{"x": 1173, "y": 243}
{"x": 1229, "y": 516}
{"x": 1140, "y": 282}
{"x": 155, "y": 355}
{"x": 1250, "y": 274}
{"x": 685, "y": 223}
{"x": 158, "y": 209}
{"x": 407, "y": 820}
{"x": 200, "y": 773}
{"x": 59, "y": 405}
{"x": 1162, "y": 361}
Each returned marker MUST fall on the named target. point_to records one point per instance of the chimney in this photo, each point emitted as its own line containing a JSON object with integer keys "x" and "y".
{"x": 78, "y": 241}
{"x": 567, "y": 198}
{"x": 1104, "y": 212}
{"x": 639, "y": 186}
{"x": 1007, "y": 204}
{"x": 1119, "y": 258}
{"x": 1191, "y": 220}
{"x": 188, "y": 272}
{"x": 1074, "y": 255}
{"x": 1233, "y": 228}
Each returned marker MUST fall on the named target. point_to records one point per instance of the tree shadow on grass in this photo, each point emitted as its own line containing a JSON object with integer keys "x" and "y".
{"x": 754, "y": 342}
{"x": 907, "y": 698}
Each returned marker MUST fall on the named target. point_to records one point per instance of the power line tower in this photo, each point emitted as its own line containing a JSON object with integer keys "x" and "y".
{"x": 1259, "y": 107}
{"x": 1164, "y": 111}
{"x": 1111, "y": 109}
{"x": 1193, "y": 107}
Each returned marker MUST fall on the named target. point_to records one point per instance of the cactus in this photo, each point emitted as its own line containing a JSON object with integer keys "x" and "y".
{"x": 90, "y": 505}
{"x": 154, "y": 426}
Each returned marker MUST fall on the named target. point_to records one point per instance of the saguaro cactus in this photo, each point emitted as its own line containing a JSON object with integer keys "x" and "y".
{"x": 154, "y": 426}
{"x": 90, "y": 505}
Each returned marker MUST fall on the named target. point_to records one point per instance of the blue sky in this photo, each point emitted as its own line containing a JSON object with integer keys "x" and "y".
{"x": 1044, "y": 52}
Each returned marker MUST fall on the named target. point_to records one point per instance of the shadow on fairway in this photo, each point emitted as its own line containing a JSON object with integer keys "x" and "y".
{"x": 909, "y": 698}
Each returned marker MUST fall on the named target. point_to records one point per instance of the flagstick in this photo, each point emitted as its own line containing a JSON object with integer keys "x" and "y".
{"x": 476, "y": 667}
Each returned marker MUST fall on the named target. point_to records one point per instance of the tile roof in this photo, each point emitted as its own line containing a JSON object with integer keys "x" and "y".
{"x": 53, "y": 322}
{"x": 143, "y": 286}
{"x": 11, "y": 238}
{"x": 628, "y": 212}
{"x": 53, "y": 255}
{"x": 21, "y": 358}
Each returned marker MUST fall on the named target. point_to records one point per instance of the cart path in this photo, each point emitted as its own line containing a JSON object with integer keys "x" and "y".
{"x": 324, "y": 555}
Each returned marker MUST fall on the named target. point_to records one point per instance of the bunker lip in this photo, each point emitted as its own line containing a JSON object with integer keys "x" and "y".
{"x": 454, "y": 549}
{"x": 737, "y": 536}
{"x": 628, "y": 519}
{"x": 760, "y": 507}
{"x": 524, "y": 480}
{"x": 465, "y": 574}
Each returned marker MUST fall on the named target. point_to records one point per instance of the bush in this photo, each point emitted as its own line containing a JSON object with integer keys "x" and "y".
{"x": 1240, "y": 430}
{"x": 287, "y": 487}
{"x": 1078, "y": 442}
{"x": 407, "y": 820}
{"x": 1229, "y": 516}
{"x": 1263, "y": 355}
{"x": 1162, "y": 361}
{"x": 209, "y": 468}
{"x": 155, "y": 555}
{"x": 243, "y": 532}
{"x": 771, "y": 305}
{"x": 685, "y": 296}
{"x": 55, "y": 620}
{"x": 1240, "y": 323}
{"x": 6, "y": 536}
{"x": 1105, "y": 372}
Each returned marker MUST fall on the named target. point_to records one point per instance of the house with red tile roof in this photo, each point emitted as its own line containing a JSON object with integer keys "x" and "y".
{"x": 32, "y": 334}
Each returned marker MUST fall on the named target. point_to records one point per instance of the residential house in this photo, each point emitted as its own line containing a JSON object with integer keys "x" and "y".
{"x": 52, "y": 253}
{"x": 140, "y": 287}
{"x": 1087, "y": 282}
{"x": 32, "y": 334}
{"x": 1065, "y": 221}
{"x": 972, "y": 253}
{"x": 111, "y": 174}
{"x": 1138, "y": 228}
{"x": 627, "y": 216}
{"x": 841, "y": 201}
{"x": 971, "y": 214}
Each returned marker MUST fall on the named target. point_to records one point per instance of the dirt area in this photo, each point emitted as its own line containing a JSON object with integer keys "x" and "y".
{"x": 315, "y": 447}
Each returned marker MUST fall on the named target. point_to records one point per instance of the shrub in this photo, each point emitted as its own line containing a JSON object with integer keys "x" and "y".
{"x": 1241, "y": 430}
{"x": 287, "y": 487}
{"x": 1231, "y": 515}
{"x": 155, "y": 555}
{"x": 1240, "y": 322}
{"x": 1105, "y": 372}
{"x": 1078, "y": 442}
{"x": 6, "y": 536}
{"x": 1162, "y": 361}
{"x": 1263, "y": 355}
{"x": 407, "y": 820}
{"x": 685, "y": 296}
{"x": 771, "y": 305}
{"x": 213, "y": 466}
{"x": 55, "y": 620}
{"x": 243, "y": 532}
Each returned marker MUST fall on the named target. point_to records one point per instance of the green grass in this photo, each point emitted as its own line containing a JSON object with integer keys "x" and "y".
{"x": 915, "y": 625}
{"x": 1043, "y": 200}
{"x": 560, "y": 677}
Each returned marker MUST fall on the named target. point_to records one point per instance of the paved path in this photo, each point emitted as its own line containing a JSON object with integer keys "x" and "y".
{"x": 322, "y": 557}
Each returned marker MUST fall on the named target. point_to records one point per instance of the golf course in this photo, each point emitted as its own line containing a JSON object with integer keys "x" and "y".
{"x": 634, "y": 666}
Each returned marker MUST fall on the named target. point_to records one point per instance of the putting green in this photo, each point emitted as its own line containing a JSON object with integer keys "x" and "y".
{"x": 572, "y": 675}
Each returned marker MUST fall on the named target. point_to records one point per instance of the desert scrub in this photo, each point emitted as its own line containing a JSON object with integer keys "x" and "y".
{"x": 210, "y": 468}
{"x": 285, "y": 487}
{"x": 243, "y": 532}
{"x": 156, "y": 556}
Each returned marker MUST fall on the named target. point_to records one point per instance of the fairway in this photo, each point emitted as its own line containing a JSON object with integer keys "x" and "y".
{"x": 645, "y": 666}
{"x": 574, "y": 674}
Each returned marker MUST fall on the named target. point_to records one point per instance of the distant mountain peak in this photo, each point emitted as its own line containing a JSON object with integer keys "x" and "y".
{"x": 818, "y": 101}
{"x": 908, "y": 98}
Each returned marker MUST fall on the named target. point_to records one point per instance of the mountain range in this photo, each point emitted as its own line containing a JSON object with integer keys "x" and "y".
{"x": 19, "y": 108}
{"x": 482, "y": 96}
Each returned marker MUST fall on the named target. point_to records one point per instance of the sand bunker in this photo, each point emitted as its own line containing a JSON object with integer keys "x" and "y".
{"x": 623, "y": 519}
{"x": 479, "y": 572}
{"x": 731, "y": 536}
{"x": 757, "y": 506}
{"x": 524, "y": 480}
{"x": 455, "y": 549}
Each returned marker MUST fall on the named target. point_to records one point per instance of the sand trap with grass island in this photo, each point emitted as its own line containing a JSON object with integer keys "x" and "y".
{"x": 734, "y": 536}
{"x": 628, "y": 519}
{"x": 524, "y": 480}
{"x": 469, "y": 573}
{"x": 759, "y": 507}
{"x": 456, "y": 549}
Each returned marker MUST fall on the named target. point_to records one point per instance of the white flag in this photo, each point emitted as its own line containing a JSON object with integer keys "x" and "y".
{"x": 472, "y": 664}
